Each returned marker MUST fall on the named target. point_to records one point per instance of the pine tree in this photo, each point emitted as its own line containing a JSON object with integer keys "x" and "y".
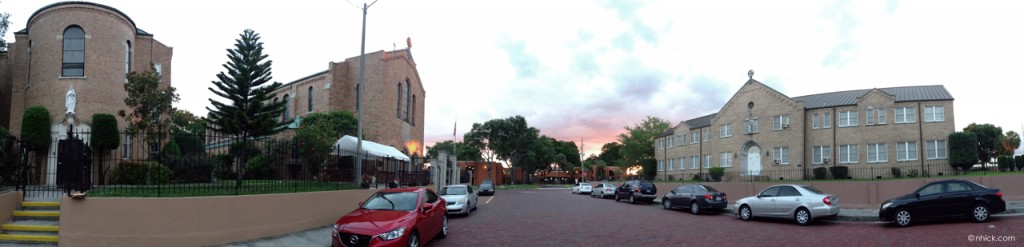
{"x": 247, "y": 88}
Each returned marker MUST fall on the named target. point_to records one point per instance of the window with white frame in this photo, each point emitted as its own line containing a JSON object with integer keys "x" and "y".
{"x": 781, "y": 155}
{"x": 707, "y": 161}
{"x": 725, "y": 160}
{"x": 906, "y": 151}
{"x": 694, "y": 162}
{"x": 821, "y": 154}
{"x": 815, "y": 122}
{"x": 934, "y": 114}
{"x": 780, "y": 122}
{"x": 725, "y": 130}
{"x": 848, "y": 118}
{"x": 661, "y": 165}
{"x": 848, "y": 154}
{"x": 671, "y": 142}
{"x": 661, "y": 143}
{"x": 127, "y": 145}
{"x": 826, "y": 120}
{"x": 905, "y": 115}
{"x": 869, "y": 116}
{"x": 682, "y": 139}
{"x": 707, "y": 135}
{"x": 694, "y": 137}
{"x": 682, "y": 163}
{"x": 751, "y": 126}
{"x": 671, "y": 163}
{"x": 881, "y": 115}
{"x": 878, "y": 153}
{"x": 935, "y": 149}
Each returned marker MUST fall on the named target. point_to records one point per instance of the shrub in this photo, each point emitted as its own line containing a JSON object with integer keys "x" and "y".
{"x": 195, "y": 168}
{"x": 225, "y": 167}
{"x": 896, "y": 173}
{"x": 696, "y": 177}
{"x": 259, "y": 168}
{"x": 171, "y": 152}
{"x": 134, "y": 173}
{"x": 839, "y": 172}
{"x": 1019, "y": 162}
{"x": 820, "y": 173}
{"x": 912, "y": 173}
{"x": 670, "y": 178}
{"x": 1005, "y": 163}
{"x": 35, "y": 129}
{"x": 716, "y": 173}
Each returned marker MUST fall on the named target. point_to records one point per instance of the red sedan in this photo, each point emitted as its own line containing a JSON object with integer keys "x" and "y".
{"x": 393, "y": 217}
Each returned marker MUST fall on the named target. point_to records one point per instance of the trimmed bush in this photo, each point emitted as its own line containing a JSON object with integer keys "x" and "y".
{"x": 259, "y": 168}
{"x": 134, "y": 173}
{"x": 896, "y": 173}
{"x": 670, "y": 178}
{"x": 35, "y": 129}
{"x": 1005, "y": 163}
{"x": 171, "y": 152}
{"x": 820, "y": 173}
{"x": 225, "y": 167}
{"x": 716, "y": 173}
{"x": 839, "y": 172}
{"x": 912, "y": 173}
{"x": 1019, "y": 162}
{"x": 194, "y": 168}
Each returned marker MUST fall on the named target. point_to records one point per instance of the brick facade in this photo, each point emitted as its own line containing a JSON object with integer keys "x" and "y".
{"x": 743, "y": 152}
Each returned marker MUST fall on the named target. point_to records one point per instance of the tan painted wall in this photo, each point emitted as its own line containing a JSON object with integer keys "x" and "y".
{"x": 198, "y": 221}
{"x": 9, "y": 202}
{"x": 862, "y": 194}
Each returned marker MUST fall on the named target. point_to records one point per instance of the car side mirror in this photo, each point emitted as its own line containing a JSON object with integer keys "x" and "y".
{"x": 361, "y": 204}
{"x": 427, "y": 206}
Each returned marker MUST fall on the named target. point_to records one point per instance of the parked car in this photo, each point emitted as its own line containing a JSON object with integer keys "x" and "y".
{"x": 637, "y": 191}
{"x": 802, "y": 203}
{"x": 582, "y": 188}
{"x": 942, "y": 200}
{"x": 393, "y": 217}
{"x": 603, "y": 190}
{"x": 460, "y": 199}
{"x": 696, "y": 197}
{"x": 486, "y": 188}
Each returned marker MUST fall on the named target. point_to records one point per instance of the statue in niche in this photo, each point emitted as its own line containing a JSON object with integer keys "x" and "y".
{"x": 69, "y": 103}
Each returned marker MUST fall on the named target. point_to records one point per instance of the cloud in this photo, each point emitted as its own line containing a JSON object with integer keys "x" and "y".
{"x": 844, "y": 22}
{"x": 525, "y": 63}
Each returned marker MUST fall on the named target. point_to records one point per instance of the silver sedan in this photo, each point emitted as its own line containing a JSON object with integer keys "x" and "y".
{"x": 603, "y": 190}
{"x": 801, "y": 203}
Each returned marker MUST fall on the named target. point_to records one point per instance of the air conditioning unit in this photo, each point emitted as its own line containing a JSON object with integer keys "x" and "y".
{"x": 777, "y": 162}
{"x": 826, "y": 160}
{"x": 785, "y": 126}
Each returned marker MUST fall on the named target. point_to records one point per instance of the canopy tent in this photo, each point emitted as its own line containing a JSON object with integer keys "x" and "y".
{"x": 347, "y": 144}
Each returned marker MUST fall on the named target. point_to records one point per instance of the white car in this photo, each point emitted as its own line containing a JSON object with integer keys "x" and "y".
{"x": 460, "y": 199}
{"x": 582, "y": 188}
{"x": 801, "y": 203}
{"x": 603, "y": 190}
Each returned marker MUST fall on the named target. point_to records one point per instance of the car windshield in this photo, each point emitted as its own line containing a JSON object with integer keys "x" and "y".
{"x": 585, "y": 185}
{"x": 398, "y": 201}
{"x": 812, "y": 189}
{"x": 646, "y": 184}
{"x": 486, "y": 185}
{"x": 454, "y": 190}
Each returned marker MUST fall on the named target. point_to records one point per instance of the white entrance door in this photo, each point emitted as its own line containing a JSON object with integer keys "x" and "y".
{"x": 754, "y": 161}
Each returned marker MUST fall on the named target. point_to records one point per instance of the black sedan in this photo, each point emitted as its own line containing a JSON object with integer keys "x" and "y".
{"x": 943, "y": 200}
{"x": 696, "y": 197}
{"x": 486, "y": 188}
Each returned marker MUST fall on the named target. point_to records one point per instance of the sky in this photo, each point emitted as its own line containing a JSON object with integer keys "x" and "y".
{"x": 584, "y": 70}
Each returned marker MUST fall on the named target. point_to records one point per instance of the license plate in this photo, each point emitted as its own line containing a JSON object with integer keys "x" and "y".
{"x": 718, "y": 198}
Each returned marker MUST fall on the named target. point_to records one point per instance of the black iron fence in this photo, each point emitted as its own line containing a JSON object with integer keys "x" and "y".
{"x": 171, "y": 165}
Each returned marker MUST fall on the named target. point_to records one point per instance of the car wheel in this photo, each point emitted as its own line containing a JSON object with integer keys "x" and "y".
{"x": 616, "y": 197}
{"x": 632, "y": 199}
{"x": 444, "y": 228}
{"x": 694, "y": 208}
{"x": 745, "y": 213}
{"x": 802, "y": 217}
{"x": 665, "y": 203}
{"x": 414, "y": 240}
{"x": 980, "y": 213}
{"x": 902, "y": 218}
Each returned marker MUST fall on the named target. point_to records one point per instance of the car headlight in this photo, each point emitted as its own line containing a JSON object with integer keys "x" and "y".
{"x": 393, "y": 234}
{"x": 887, "y": 205}
{"x": 462, "y": 201}
{"x": 336, "y": 227}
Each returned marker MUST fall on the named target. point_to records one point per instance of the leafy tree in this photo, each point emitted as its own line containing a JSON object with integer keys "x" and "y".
{"x": 509, "y": 139}
{"x": 963, "y": 150}
{"x": 1005, "y": 163}
{"x": 638, "y": 144}
{"x": 147, "y": 102}
{"x": 465, "y": 152}
{"x": 318, "y": 133}
{"x": 989, "y": 137}
{"x": 1018, "y": 162}
{"x": 246, "y": 87}
{"x": 611, "y": 153}
{"x": 189, "y": 132}
{"x": 105, "y": 136}
{"x": 35, "y": 131}
{"x": 1009, "y": 143}
{"x": 4, "y": 23}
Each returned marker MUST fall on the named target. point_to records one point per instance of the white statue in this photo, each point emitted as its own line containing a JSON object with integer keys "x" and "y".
{"x": 69, "y": 104}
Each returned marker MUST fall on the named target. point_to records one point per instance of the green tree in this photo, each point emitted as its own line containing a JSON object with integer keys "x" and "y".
{"x": 465, "y": 152}
{"x": 4, "y": 23}
{"x": 318, "y": 133}
{"x": 105, "y": 136}
{"x": 148, "y": 102}
{"x": 189, "y": 132}
{"x": 989, "y": 137}
{"x": 247, "y": 88}
{"x": 611, "y": 154}
{"x": 35, "y": 131}
{"x": 510, "y": 139}
{"x": 638, "y": 144}
{"x": 1009, "y": 143}
{"x": 963, "y": 150}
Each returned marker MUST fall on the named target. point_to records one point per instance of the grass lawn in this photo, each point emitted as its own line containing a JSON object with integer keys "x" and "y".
{"x": 219, "y": 188}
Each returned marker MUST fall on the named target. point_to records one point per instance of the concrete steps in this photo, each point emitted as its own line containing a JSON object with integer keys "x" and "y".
{"x": 36, "y": 222}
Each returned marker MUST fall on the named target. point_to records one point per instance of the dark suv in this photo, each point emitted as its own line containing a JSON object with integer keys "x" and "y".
{"x": 636, "y": 191}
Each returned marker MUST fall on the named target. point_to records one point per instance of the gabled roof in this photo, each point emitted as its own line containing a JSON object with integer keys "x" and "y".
{"x": 902, "y": 94}
{"x": 669, "y": 132}
{"x": 701, "y": 122}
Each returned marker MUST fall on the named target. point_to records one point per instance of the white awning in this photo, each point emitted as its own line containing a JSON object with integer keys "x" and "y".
{"x": 347, "y": 146}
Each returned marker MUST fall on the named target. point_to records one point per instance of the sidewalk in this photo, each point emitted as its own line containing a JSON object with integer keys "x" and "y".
{"x": 871, "y": 214}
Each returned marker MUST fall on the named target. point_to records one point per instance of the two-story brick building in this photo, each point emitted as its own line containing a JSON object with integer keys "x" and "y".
{"x": 762, "y": 133}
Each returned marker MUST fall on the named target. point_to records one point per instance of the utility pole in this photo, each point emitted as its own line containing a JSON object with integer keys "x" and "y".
{"x": 359, "y": 99}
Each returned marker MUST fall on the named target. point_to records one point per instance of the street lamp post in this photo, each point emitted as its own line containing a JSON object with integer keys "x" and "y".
{"x": 359, "y": 99}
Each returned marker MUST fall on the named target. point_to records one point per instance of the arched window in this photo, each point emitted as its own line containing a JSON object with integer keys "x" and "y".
{"x": 310, "y": 99}
{"x": 127, "y": 58}
{"x": 74, "y": 52}
{"x": 407, "y": 89}
{"x": 398, "y": 101}
{"x": 413, "y": 119}
{"x": 284, "y": 117}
